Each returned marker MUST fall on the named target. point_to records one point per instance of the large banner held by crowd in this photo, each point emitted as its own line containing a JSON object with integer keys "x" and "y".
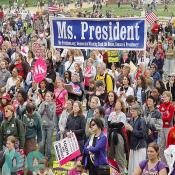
{"x": 66, "y": 149}
{"x": 119, "y": 34}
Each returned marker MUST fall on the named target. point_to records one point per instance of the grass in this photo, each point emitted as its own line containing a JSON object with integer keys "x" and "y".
{"x": 126, "y": 10}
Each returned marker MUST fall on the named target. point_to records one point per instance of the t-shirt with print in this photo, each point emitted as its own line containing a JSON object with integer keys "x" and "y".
{"x": 154, "y": 171}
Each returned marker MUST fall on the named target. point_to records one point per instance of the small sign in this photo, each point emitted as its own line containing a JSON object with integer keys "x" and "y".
{"x": 66, "y": 149}
{"x": 39, "y": 70}
{"x": 39, "y": 50}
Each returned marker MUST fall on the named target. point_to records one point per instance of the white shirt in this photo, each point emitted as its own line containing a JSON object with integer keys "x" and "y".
{"x": 69, "y": 66}
{"x": 117, "y": 118}
{"x": 130, "y": 91}
{"x": 10, "y": 82}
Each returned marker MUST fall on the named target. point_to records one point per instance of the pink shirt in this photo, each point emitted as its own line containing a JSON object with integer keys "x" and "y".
{"x": 61, "y": 94}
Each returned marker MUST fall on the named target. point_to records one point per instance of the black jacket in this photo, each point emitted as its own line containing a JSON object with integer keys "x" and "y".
{"x": 77, "y": 125}
{"x": 136, "y": 137}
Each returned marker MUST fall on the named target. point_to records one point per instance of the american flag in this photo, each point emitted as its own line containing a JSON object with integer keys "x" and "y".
{"x": 151, "y": 17}
{"x": 53, "y": 8}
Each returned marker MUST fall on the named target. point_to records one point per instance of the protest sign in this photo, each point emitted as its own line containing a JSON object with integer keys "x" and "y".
{"x": 114, "y": 34}
{"x": 39, "y": 70}
{"x": 39, "y": 50}
{"x": 61, "y": 170}
{"x": 66, "y": 149}
{"x": 113, "y": 56}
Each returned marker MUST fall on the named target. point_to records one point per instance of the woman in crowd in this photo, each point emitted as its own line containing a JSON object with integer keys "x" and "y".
{"x": 94, "y": 103}
{"x": 153, "y": 120}
{"x": 21, "y": 65}
{"x": 61, "y": 97}
{"x": 153, "y": 165}
{"x": 33, "y": 94}
{"x": 76, "y": 123}
{"x": 22, "y": 101}
{"x": 32, "y": 123}
{"x": 18, "y": 86}
{"x": 136, "y": 134}
{"x": 50, "y": 76}
{"x": 109, "y": 104}
{"x": 117, "y": 139}
{"x": 75, "y": 91}
{"x": 47, "y": 110}
{"x": 170, "y": 86}
{"x": 167, "y": 111}
{"x": 64, "y": 116}
{"x": 69, "y": 64}
{"x": 13, "y": 79}
{"x": 42, "y": 90}
{"x": 11, "y": 127}
{"x": 78, "y": 70}
{"x": 140, "y": 90}
{"x": 89, "y": 73}
{"x": 95, "y": 148}
{"x": 170, "y": 56}
{"x": 161, "y": 86}
{"x": 8, "y": 167}
{"x": 99, "y": 113}
{"x": 67, "y": 77}
{"x": 100, "y": 91}
{"x": 30, "y": 58}
{"x": 78, "y": 57}
{"x": 125, "y": 89}
{"x": 4, "y": 101}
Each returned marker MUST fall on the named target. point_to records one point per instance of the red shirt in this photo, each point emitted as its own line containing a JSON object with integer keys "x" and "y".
{"x": 155, "y": 28}
{"x": 1, "y": 15}
{"x": 20, "y": 68}
{"x": 171, "y": 137}
{"x": 167, "y": 111}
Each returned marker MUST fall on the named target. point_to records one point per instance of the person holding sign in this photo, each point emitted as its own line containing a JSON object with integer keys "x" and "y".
{"x": 95, "y": 150}
{"x": 76, "y": 123}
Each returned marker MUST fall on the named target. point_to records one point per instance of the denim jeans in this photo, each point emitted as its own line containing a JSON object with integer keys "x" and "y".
{"x": 46, "y": 145}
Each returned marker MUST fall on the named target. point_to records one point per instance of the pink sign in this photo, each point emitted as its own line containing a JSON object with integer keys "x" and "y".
{"x": 39, "y": 70}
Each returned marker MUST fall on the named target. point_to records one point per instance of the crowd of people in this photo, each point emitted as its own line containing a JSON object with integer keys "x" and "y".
{"x": 121, "y": 112}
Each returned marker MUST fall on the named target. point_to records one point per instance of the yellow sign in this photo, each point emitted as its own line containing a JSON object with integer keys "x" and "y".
{"x": 113, "y": 56}
{"x": 113, "y": 60}
{"x": 67, "y": 166}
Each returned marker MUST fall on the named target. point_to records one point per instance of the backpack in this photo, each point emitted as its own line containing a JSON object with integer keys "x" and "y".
{"x": 105, "y": 80}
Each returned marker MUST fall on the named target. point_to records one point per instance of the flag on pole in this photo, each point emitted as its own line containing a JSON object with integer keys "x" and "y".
{"x": 151, "y": 17}
{"x": 53, "y": 8}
